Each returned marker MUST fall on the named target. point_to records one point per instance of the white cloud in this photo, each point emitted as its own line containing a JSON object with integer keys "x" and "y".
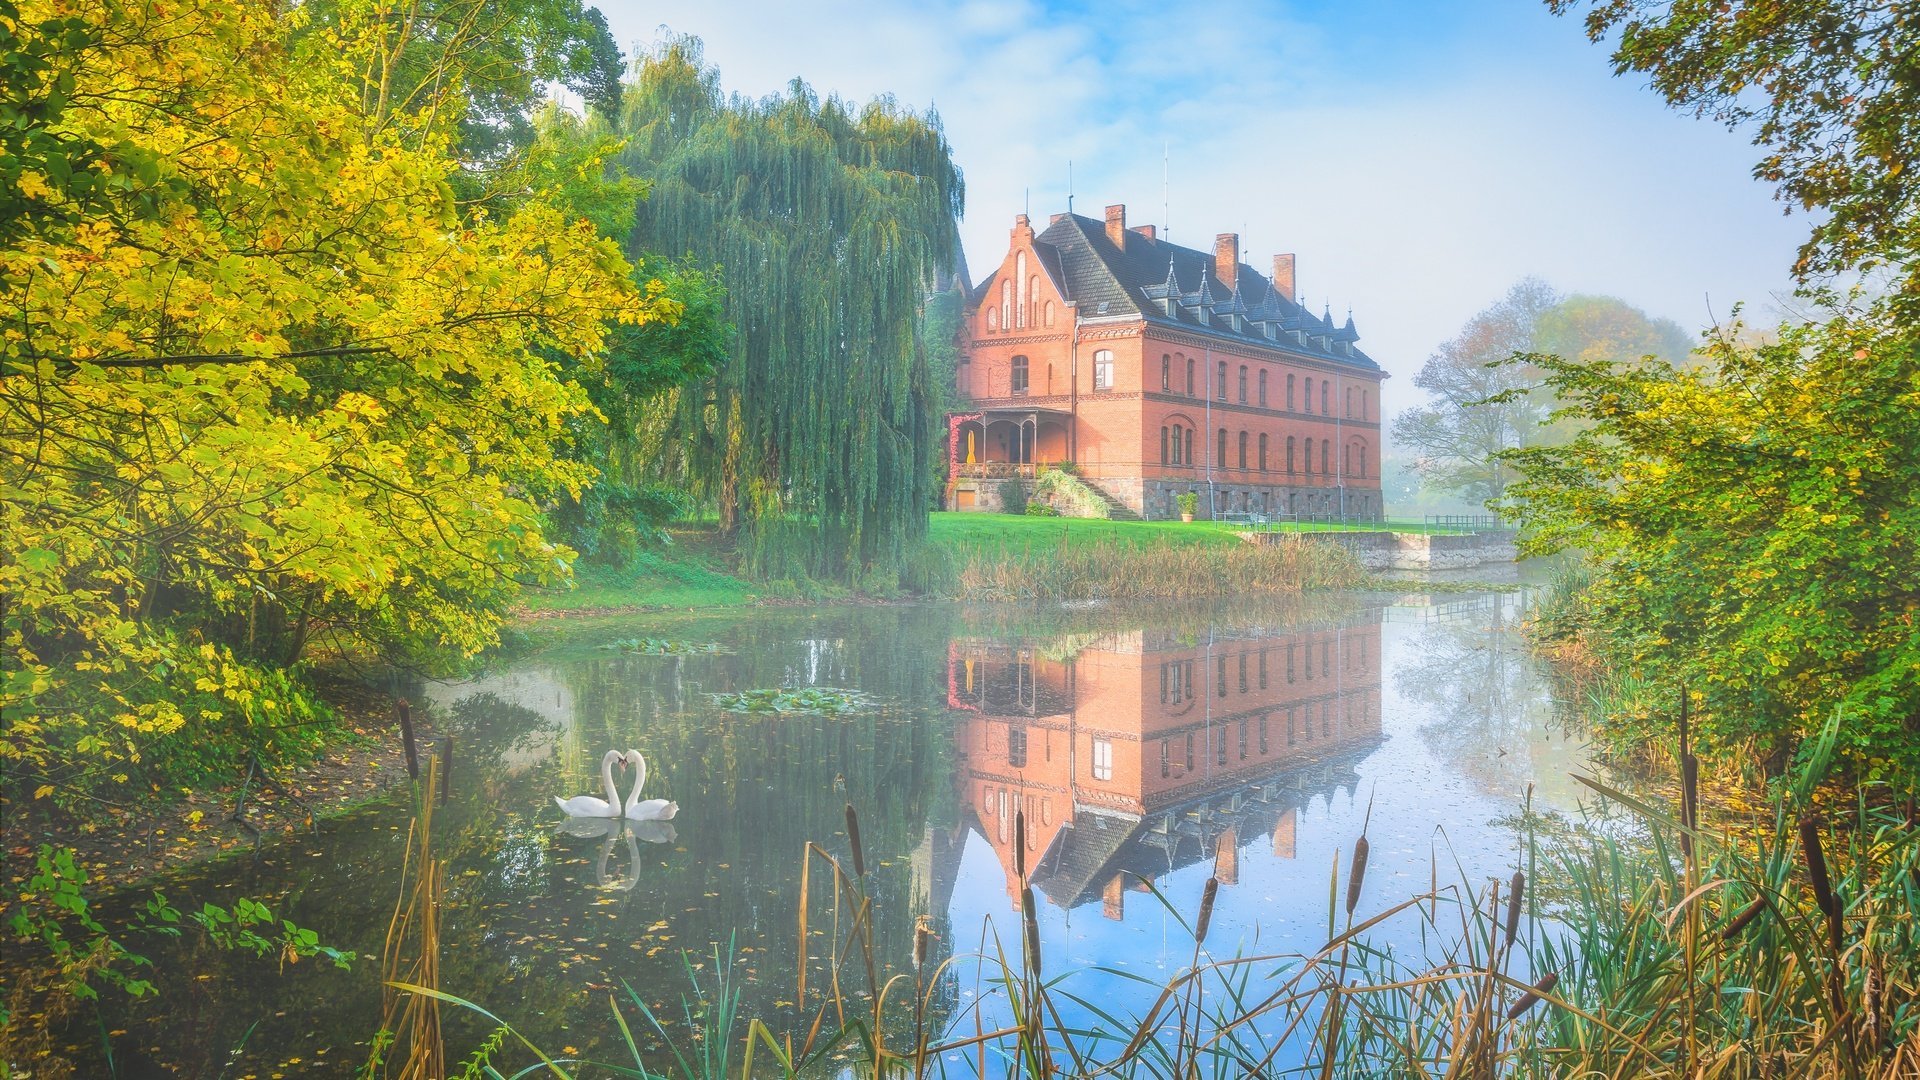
{"x": 1419, "y": 163}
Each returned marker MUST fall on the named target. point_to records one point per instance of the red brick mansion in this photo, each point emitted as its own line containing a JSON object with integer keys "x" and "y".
{"x": 1157, "y": 370}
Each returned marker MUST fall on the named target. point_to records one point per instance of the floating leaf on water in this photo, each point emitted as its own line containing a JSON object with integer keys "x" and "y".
{"x": 652, "y": 646}
{"x": 806, "y": 700}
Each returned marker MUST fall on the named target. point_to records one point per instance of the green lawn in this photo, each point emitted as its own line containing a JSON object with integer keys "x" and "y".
{"x": 966, "y": 529}
{"x": 976, "y": 530}
{"x": 690, "y": 574}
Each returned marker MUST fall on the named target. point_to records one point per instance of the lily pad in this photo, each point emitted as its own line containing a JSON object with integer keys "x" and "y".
{"x": 805, "y": 700}
{"x": 650, "y": 646}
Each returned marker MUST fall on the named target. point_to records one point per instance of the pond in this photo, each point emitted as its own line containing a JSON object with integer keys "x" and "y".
{"x": 1146, "y": 750}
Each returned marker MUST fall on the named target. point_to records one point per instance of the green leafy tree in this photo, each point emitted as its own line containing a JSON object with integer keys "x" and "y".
{"x": 1482, "y": 405}
{"x": 277, "y": 391}
{"x": 1479, "y": 406}
{"x": 497, "y": 57}
{"x": 1831, "y": 89}
{"x": 829, "y": 224}
{"x": 1755, "y": 528}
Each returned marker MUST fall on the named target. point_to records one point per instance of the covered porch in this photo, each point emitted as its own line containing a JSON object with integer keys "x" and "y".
{"x": 997, "y": 443}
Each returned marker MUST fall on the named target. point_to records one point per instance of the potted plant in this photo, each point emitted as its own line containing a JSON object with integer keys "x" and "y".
{"x": 1189, "y": 501}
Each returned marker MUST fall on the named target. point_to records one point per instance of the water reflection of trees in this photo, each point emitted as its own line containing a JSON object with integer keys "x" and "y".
{"x": 1488, "y": 705}
{"x": 528, "y": 933}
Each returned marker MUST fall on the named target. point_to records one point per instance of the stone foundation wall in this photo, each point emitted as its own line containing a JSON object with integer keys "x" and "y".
{"x": 1412, "y": 551}
{"x": 1153, "y": 498}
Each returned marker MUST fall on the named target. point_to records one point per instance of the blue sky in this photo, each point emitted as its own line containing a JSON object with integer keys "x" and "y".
{"x": 1418, "y": 157}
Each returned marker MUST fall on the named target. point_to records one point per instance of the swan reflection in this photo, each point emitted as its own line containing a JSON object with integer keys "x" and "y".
{"x": 615, "y": 831}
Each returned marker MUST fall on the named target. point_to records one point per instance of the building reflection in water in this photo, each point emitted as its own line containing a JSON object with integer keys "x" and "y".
{"x": 1143, "y": 752}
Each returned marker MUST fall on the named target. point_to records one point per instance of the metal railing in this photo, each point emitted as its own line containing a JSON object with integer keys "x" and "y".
{"x": 1336, "y": 522}
{"x": 993, "y": 470}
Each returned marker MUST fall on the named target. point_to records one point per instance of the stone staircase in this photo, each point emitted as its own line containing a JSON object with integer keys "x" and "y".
{"x": 1116, "y": 510}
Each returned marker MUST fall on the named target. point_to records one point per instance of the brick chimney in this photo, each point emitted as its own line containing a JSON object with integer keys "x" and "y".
{"x": 1226, "y": 258}
{"x": 1148, "y": 231}
{"x": 1117, "y": 225}
{"x": 1283, "y": 282}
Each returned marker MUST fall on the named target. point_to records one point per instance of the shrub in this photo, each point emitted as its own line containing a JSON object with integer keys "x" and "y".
{"x": 1069, "y": 496}
{"x": 1188, "y": 501}
{"x": 1013, "y": 496}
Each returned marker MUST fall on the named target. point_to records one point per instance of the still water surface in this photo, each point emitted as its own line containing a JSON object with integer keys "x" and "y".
{"x": 1158, "y": 746}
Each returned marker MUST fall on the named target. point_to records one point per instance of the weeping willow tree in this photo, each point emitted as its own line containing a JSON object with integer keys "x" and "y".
{"x": 813, "y": 438}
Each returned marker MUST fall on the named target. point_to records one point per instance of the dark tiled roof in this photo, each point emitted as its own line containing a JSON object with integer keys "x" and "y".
{"x": 1171, "y": 285}
{"x": 1099, "y": 844}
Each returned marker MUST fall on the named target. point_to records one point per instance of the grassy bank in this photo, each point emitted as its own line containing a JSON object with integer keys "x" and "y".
{"x": 1000, "y": 557}
{"x": 968, "y": 556}
{"x": 693, "y": 572}
{"x": 969, "y": 529}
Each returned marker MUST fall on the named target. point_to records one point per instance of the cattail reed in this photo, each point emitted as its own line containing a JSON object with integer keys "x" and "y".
{"x": 1206, "y": 910}
{"x": 922, "y": 934}
{"x": 1689, "y": 780}
{"x": 853, "y": 840}
{"x": 1020, "y": 846}
{"x": 1823, "y": 895}
{"x": 1817, "y": 867}
{"x": 1030, "y": 916}
{"x": 1532, "y": 997}
{"x": 1357, "y": 876}
{"x": 1516, "y": 889}
{"x": 1741, "y": 921}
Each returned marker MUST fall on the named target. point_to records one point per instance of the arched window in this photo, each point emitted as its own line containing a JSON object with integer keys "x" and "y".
{"x": 1326, "y": 454}
{"x": 1346, "y": 459}
{"x": 1019, "y": 375}
{"x": 1363, "y": 405}
{"x": 1177, "y": 441}
{"x": 1006, "y": 304}
{"x": 1307, "y": 406}
{"x": 993, "y": 318}
{"x": 1220, "y": 457}
{"x": 1324, "y": 410}
{"x": 1033, "y": 290}
{"x": 1020, "y": 274}
{"x": 1263, "y": 389}
{"x": 1163, "y": 444}
{"x": 1243, "y": 384}
{"x": 1189, "y": 376}
{"x": 1220, "y": 383}
{"x": 1103, "y": 369}
{"x": 1193, "y": 442}
{"x": 1049, "y": 313}
{"x": 1349, "y": 402}
{"x": 1289, "y": 393}
{"x": 1166, "y": 373}
{"x": 1243, "y": 449}
{"x": 1263, "y": 451}
{"x": 1289, "y": 453}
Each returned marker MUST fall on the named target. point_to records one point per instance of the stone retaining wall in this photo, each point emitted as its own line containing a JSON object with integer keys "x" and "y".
{"x": 1411, "y": 551}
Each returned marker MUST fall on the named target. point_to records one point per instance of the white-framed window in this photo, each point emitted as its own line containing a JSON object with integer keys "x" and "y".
{"x": 1102, "y": 759}
{"x": 1103, "y": 370}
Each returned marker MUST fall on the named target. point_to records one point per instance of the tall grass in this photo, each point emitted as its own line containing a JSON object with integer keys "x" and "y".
{"x": 1793, "y": 956}
{"x": 1108, "y": 569}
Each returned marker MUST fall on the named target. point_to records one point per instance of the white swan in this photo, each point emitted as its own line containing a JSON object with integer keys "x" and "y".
{"x": 651, "y": 809}
{"x": 588, "y": 806}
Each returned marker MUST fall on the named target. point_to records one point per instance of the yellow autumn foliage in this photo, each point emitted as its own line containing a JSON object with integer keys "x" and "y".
{"x": 278, "y": 389}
